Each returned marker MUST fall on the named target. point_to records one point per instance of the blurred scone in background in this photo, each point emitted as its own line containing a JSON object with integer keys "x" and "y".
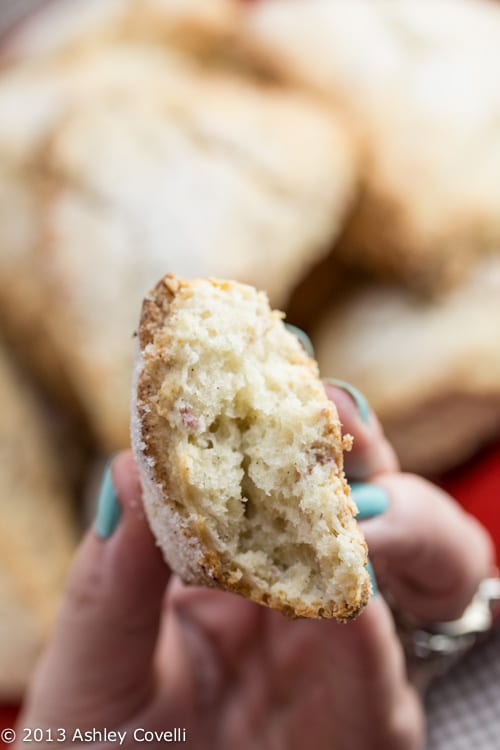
{"x": 343, "y": 156}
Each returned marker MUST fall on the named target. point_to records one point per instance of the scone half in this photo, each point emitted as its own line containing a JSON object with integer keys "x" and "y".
{"x": 240, "y": 453}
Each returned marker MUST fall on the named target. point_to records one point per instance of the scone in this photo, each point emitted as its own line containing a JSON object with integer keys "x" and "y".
{"x": 419, "y": 83}
{"x": 430, "y": 369}
{"x": 131, "y": 159}
{"x": 240, "y": 453}
{"x": 34, "y": 97}
{"x": 37, "y": 530}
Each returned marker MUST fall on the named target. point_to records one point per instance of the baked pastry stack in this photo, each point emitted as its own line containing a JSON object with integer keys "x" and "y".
{"x": 342, "y": 156}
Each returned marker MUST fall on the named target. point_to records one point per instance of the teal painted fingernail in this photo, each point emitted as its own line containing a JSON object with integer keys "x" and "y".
{"x": 373, "y": 580}
{"x": 371, "y": 500}
{"x": 108, "y": 507}
{"x": 302, "y": 337}
{"x": 357, "y": 396}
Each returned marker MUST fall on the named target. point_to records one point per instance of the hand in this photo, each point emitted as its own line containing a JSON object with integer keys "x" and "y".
{"x": 127, "y": 656}
{"x": 428, "y": 554}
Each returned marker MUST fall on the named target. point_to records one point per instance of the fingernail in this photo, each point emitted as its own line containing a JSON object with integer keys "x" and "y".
{"x": 108, "y": 507}
{"x": 357, "y": 396}
{"x": 371, "y": 500}
{"x": 302, "y": 337}
{"x": 373, "y": 580}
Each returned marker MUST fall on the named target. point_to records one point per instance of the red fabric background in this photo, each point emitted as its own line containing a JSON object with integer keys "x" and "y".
{"x": 477, "y": 488}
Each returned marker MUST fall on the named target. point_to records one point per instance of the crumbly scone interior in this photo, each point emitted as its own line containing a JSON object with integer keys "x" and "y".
{"x": 254, "y": 443}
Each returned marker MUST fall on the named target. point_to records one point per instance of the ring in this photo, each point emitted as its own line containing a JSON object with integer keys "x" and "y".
{"x": 432, "y": 650}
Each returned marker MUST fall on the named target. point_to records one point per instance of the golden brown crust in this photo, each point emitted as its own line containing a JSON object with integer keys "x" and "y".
{"x": 155, "y": 309}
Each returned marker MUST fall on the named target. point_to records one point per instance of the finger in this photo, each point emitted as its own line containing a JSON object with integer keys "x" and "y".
{"x": 361, "y": 665}
{"x": 369, "y": 658}
{"x": 99, "y": 661}
{"x": 426, "y": 551}
{"x": 371, "y": 453}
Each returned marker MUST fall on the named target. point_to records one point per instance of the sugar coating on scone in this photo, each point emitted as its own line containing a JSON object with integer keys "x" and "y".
{"x": 240, "y": 453}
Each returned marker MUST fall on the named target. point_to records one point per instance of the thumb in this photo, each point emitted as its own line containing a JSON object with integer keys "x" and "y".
{"x": 99, "y": 663}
